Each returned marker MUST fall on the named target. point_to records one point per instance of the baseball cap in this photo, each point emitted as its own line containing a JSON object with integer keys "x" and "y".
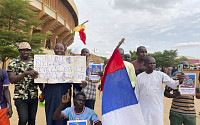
{"x": 24, "y": 45}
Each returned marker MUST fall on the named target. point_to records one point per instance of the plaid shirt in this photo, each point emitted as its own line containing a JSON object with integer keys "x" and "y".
{"x": 90, "y": 90}
{"x": 26, "y": 86}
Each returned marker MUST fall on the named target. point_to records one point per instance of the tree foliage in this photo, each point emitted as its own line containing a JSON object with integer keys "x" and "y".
{"x": 105, "y": 60}
{"x": 16, "y": 24}
{"x": 163, "y": 59}
{"x": 179, "y": 59}
{"x": 133, "y": 55}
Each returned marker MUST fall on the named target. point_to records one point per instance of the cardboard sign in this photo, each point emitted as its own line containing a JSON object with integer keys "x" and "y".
{"x": 78, "y": 122}
{"x": 92, "y": 71}
{"x": 190, "y": 81}
{"x": 60, "y": 69}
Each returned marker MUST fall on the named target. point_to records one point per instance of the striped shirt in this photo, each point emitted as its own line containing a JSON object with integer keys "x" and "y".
{"x": 182, "y": 104}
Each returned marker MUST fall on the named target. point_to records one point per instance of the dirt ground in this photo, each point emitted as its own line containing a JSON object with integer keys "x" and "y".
{"x": 40, "y": 119}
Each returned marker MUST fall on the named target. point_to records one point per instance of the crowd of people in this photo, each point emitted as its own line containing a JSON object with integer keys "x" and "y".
{"x": 146, "y": 82}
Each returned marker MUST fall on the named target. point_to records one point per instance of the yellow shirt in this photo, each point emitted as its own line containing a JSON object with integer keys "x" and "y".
{"x": 131, "y": 72}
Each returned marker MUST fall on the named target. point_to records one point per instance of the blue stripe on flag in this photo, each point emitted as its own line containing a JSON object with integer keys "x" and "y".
{"x": 118, "y": 91}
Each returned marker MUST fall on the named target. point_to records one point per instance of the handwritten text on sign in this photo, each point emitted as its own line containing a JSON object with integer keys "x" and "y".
{"x": 60, "y": 69}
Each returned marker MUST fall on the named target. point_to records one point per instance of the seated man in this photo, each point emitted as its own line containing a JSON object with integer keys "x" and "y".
{"x": 77, "y": 112}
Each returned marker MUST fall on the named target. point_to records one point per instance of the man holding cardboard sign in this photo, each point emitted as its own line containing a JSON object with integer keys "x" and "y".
{"x": 53, "y": 93}
{"x": 182, "y": 110}
{"x": 22, "y": 74}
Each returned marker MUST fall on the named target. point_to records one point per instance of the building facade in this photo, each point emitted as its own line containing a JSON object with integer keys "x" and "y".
{"x": 59, "y": 19}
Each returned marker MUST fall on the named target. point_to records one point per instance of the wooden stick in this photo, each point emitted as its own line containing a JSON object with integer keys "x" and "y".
{"x": 85, "y": 22}
{"x": 119, "y": 44}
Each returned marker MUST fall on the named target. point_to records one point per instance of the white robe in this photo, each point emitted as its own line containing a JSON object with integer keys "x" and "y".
{"x": 149, "y": 92}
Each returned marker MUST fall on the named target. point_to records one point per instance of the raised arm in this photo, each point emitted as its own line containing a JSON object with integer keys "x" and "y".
{"x": 65, "y": 99}
{"x": 171, "y": 83}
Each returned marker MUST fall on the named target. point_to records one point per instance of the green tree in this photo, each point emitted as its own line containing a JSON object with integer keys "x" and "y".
{"x": 159, "y": 58}
{"x": 170, "y": 56}
{"x": 165, "y": 58}
{"x": 69, "y": 51}
{"x": 105, "y": 60}
{"x": 178, "y": 60}
{"x": 133, "y": 55}
{"x": 16, "y": 24}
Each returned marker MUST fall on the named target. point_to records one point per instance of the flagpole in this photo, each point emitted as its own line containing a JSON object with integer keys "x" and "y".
{"x": 85, "y": 22}
{"x": 119, "y": 44}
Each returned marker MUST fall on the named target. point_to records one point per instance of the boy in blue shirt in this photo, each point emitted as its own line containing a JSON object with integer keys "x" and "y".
{"x": 77, "y": 112}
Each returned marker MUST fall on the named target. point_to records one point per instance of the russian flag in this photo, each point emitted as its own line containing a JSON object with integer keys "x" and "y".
{"x": 119, "y": 103}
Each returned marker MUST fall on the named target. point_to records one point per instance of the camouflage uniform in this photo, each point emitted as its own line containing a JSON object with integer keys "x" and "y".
{"x": 26, "y": 86}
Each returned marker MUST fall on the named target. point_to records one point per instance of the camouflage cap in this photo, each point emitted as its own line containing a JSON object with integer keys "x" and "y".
{"x": 24, "y": 45}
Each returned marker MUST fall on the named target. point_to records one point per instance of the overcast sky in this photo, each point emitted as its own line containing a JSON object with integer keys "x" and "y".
{"x": 157, "y": 24}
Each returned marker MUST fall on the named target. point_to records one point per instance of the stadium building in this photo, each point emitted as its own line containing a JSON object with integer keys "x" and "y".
{"x": 59, "y": 19}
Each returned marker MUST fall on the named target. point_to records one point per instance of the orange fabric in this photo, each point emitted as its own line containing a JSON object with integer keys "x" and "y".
{"x": 4, "y": 120}
{"x": 165, "y": 70}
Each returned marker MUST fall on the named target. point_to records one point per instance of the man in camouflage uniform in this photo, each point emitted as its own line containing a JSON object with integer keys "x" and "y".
{"x": 21, "y": 73}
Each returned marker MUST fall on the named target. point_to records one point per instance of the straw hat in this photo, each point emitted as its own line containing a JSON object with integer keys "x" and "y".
{"x": 24, "y": 45}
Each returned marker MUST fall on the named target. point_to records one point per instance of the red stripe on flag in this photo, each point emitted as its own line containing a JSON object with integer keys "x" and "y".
{"x": 82, "y": 35}
{"x": 115, "y": 63}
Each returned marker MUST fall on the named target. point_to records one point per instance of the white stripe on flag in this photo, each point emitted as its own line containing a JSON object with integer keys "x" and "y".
{"x": 129, "y": 115}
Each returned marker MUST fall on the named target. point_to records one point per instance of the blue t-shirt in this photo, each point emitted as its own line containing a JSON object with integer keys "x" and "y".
{"x": 3, "y": 82}
{"x": 86, "y": 114}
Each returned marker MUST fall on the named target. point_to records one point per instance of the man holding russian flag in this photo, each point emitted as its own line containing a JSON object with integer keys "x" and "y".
{"x": 119, "y": 103}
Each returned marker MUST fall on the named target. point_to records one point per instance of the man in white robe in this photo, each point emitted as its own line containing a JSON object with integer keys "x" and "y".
{"x": 149, "y": 91}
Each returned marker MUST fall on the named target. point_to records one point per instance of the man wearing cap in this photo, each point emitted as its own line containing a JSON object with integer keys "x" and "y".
{"x": 22, "y": 74}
